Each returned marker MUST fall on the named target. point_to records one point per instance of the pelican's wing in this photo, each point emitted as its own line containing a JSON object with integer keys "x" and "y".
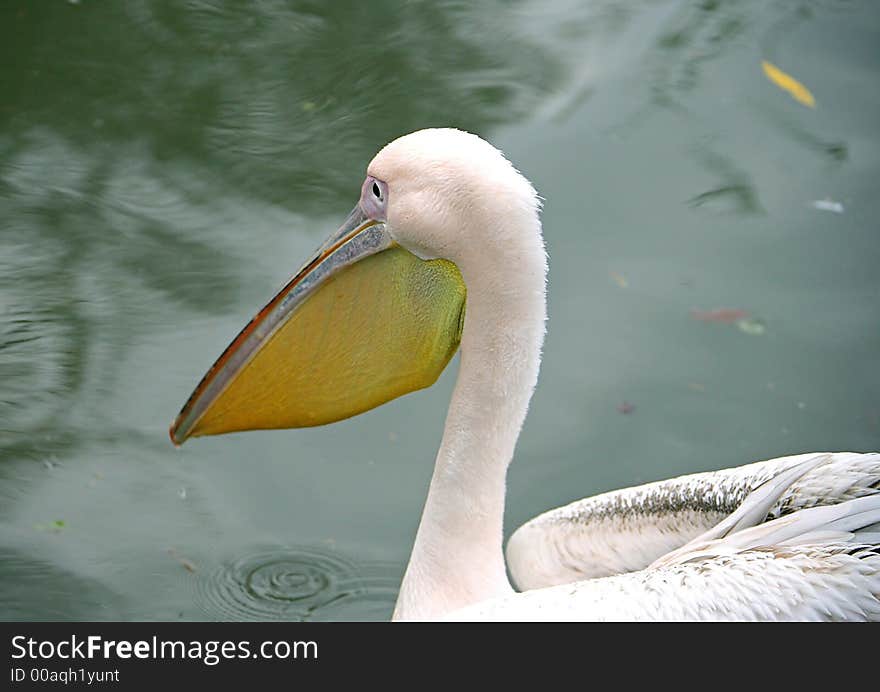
{"x": 626, "y": 530}
{"x": 821, "y": 563}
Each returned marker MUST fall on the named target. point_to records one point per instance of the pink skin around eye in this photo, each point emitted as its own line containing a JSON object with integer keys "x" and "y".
{"x": 375, "y": 207}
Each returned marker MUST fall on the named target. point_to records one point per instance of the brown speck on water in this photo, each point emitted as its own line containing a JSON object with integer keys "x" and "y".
{"x": 626, "y": 408}
{"x": 188, "y": 565}
{"x": 720, "y": 315}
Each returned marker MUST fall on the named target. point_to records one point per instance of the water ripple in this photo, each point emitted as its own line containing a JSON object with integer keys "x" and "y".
{"x": 298, "y": 583}
{"x": 37, "y": 347}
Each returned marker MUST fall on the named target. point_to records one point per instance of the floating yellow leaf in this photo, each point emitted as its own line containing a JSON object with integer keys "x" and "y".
{"x": 785, "y": 81}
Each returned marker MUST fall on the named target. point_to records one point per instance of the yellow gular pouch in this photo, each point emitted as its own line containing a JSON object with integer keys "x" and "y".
{"x": 380, "y": 328}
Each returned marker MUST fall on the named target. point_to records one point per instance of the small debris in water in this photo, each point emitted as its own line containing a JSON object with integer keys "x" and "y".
{"x": 188, "y": 565}
{"x": 182, "y": 493}
{"x": 740, "y": 318}
{"x": 626, "y": 408}
{"x": 828, "y": 205}
{"x": 801, "y": 405}
{"x": 753, "y": 327}
{"x": 619, "y": 279}
{"x": 56, "y": 526}
{"x": 721, "y": 315}
{"x": 697, "y": 386}
{"x": 393, "y": 437}
{"x": 786, "y": 82}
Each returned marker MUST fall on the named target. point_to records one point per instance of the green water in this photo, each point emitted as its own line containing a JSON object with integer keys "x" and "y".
{"x": 164, "y": 167}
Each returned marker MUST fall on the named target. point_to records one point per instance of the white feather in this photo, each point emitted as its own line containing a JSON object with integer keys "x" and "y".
{"x": 626, "y": 530}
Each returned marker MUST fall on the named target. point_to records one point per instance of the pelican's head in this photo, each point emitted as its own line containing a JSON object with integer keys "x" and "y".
{"x": 448, "y": 194}
{"x": 378, "y": 311}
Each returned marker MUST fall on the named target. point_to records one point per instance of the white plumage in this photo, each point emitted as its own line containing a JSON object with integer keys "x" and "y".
{"x": 823, "y": 581}
{"x": 626, "y": 530}
{"x": 818, "y": 560}
{"x": 789, "y": 538}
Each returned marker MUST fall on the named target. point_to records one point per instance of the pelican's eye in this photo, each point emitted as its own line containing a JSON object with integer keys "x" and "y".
{"x": 374, "y": 198}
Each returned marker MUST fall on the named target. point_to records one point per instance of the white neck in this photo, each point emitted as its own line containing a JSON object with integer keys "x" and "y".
{"x": 458, "y": 557}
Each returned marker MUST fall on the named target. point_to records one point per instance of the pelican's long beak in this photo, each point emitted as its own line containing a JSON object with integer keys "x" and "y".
{"x": 364, "y": 321}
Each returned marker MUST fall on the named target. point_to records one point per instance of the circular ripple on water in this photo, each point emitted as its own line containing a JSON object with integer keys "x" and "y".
{"x": 299, "y": 583}
{"x": 371, "y": 594}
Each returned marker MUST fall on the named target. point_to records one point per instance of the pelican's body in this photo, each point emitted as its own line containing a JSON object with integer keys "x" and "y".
{"x": 792, "y": 538}
{"x": 627, "y": 530}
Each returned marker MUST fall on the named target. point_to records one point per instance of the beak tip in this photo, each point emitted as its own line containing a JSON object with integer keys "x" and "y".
{"x": 172, "y": 433}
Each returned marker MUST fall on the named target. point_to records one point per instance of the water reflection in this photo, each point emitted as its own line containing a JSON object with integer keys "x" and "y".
{"x": 283, "y": 101}
{"x": 697, "y": 35}
{"x": 35, "y": 589}
{"x": 685, "y": 59}
{"x": 735, "y": 194}
{"x": 39, "y": 345}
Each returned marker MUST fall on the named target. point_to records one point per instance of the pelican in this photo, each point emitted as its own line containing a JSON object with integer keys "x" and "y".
{"x": 445, "y": 250}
